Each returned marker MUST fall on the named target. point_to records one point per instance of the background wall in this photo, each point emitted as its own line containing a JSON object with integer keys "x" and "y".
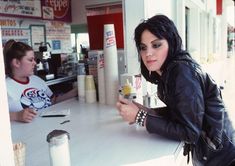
{"x": 79, "y": 9}
{"x": 154, "y": 7}
{"x": 96, "y": 29}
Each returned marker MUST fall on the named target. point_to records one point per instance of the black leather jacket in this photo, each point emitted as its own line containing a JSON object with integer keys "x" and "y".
{"x": 194, "y": 104}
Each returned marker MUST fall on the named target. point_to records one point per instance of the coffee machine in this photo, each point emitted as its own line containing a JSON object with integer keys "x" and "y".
{"x": 43, "y": 59}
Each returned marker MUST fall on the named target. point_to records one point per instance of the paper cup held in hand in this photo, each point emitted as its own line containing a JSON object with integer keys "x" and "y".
{"x": 19, "y": 153}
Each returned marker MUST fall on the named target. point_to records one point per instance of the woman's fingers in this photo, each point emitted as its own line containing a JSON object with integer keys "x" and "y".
{"x": 123, "y": 100}
{"x": 123, "y": 109}
{"x": 118, "y": 104}
{"x": 28, "y": 115}
{"x": 28, "y": 119}
{"x": 32, "y": 112}
{"x": 31, "y": 115}
{"x": 127, "y": 109}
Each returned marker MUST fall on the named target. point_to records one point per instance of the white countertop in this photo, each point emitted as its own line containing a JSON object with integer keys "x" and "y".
{"x": 98, "y": 137}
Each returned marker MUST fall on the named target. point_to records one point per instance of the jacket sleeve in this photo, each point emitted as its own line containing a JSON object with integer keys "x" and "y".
{"x": 185, "y": 104}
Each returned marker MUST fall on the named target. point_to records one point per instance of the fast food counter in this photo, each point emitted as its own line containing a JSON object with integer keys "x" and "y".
{"x": 98, "y": 137}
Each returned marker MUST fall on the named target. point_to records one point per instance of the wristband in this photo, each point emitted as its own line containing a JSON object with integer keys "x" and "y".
{"x": 140, "y": 117}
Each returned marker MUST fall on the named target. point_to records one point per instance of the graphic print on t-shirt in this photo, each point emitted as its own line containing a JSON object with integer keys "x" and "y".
{"x": 34, "y": 98}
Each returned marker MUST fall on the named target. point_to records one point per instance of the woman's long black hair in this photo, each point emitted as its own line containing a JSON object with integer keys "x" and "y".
{"x": 163, "y": 28}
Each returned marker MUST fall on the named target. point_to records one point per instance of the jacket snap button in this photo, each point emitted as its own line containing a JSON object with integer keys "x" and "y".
{"x": 204, "y": 158}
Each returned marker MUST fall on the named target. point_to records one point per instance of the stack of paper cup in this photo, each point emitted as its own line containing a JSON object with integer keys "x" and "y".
{"x": 19, "y": 153}
{"x": 81, "y": 87}
{"x": 90, "y": 92}
{"x": 110, "y": 65}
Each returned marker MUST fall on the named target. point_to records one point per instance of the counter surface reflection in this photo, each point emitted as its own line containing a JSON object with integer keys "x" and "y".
{"x": 98, "y": 137}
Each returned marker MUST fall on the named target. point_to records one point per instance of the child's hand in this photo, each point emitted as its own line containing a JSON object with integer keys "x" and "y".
{"x": 26, "y": 115}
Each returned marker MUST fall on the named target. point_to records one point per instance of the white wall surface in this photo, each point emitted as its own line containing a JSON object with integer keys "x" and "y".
{"x": 153, "y": 7}
{"x": 211, "y": 6}
{"x": 79, "y": 9}
{"x": 223, "y": 18}
{"x": 194, "y": 33}
{"x": 180, "y": 19}
{"x": 6, "y": 152}
{"x": 204, "y": 35}
{"x": 132, "y": 17}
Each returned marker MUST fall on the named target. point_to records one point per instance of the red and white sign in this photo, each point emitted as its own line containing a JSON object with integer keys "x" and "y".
{"x": 47, "y": 12}
{"x": 61, "y": 9}
{"x": 110, "y": 39}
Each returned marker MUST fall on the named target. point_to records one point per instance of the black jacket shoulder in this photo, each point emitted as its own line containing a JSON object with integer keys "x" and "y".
{"x": 193, "y": 103}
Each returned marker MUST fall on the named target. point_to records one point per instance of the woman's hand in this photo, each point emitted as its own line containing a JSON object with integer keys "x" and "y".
{"x": 26, "y": 115}
{"x": 127, "y": 110}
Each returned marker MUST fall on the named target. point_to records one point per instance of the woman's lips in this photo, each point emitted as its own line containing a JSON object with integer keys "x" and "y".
{"x": 151, "y": 61}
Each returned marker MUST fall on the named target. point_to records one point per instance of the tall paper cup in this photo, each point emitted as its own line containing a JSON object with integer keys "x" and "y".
{"x": 19, "y": 153}
{"x": 101, "y": 81}
{"x": 110, "y": 65}
{"x": 90, "y": 92}
{"x": 81, "y": 87}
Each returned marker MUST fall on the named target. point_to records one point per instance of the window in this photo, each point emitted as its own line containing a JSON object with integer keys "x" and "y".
{"x": 82, "y": 41}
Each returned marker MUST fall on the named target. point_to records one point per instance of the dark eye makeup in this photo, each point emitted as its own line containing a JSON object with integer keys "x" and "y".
{"x": 143, "y": 47}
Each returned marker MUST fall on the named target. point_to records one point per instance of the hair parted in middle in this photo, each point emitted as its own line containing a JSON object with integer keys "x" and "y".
{"x": 163, "y": 28}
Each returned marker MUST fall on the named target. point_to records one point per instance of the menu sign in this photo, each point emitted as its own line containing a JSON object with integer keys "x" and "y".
{"x": 8, "y": 23}
{"x": 14, "y": 29}
{"x": 58, "y": 35}
{"x": 14, "y": 33}
{"x": 22, "y": 35}
{"x": 30, "y": 8}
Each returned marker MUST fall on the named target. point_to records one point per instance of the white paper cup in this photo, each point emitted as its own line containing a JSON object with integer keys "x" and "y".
{"x": 90, "y": 91}
{"x": 90, "y": 96}
{"x": 81, "y": 87}
{"x": 90, "y": 84}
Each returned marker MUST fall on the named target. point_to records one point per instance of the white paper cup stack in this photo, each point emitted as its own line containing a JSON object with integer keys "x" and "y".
{"x": 90, "y": 91}
{"x": 110, "y": 65}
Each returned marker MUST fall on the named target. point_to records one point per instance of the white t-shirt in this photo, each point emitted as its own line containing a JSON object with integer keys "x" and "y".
{"x": 34, "y": 94}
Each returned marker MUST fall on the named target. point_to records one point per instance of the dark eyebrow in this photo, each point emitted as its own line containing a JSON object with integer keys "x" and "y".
{"x": 152, "y": 41}
{"x": 155, "y": 40}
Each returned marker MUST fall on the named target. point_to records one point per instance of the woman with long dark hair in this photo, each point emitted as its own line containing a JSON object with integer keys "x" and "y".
{"x": 194, "y": 112}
